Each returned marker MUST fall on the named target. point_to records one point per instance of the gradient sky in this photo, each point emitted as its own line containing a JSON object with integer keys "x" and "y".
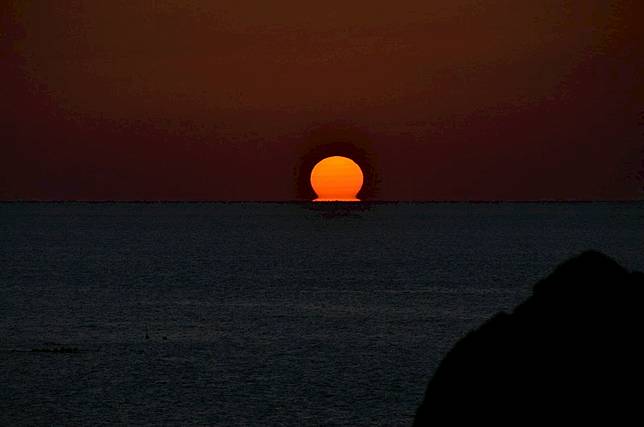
{"x": 218, "y": 100}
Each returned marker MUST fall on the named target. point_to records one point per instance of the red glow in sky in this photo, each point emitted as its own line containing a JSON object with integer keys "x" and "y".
{"x": 204, "y": 100}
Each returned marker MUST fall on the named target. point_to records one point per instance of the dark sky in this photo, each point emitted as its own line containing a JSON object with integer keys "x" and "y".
{"x": 215, "y": 100}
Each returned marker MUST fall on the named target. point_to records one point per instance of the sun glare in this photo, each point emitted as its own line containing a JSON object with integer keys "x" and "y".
{"x": 337, "y": 179}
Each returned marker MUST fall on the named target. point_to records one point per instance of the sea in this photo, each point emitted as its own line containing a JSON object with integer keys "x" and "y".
{"x": 244, "y": 314}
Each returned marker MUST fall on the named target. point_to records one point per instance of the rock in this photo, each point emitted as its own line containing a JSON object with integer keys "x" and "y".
{"x": 56, "y": 350}
{"x": 570, "y": 352}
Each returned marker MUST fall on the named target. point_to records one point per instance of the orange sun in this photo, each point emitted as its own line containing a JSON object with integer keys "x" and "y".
{"x": 337, "y": 179}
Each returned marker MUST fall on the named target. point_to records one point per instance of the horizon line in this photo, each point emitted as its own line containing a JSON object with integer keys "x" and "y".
{"x": 300, "y": 201}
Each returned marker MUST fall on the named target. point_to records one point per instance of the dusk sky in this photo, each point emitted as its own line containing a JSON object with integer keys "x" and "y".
{"x": 218, "y": 100}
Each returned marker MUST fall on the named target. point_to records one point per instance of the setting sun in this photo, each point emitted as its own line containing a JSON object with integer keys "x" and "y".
{"x": 337, "y": 179}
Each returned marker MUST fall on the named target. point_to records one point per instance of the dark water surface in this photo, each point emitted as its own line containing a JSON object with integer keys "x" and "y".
{"x": 264, "y": 314}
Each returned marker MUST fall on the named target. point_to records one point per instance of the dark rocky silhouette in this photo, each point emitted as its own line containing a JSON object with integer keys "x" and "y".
{"x": 569, "y": 353}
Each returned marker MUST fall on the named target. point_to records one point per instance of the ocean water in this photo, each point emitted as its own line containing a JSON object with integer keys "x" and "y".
{"x": 264, "y": 314}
